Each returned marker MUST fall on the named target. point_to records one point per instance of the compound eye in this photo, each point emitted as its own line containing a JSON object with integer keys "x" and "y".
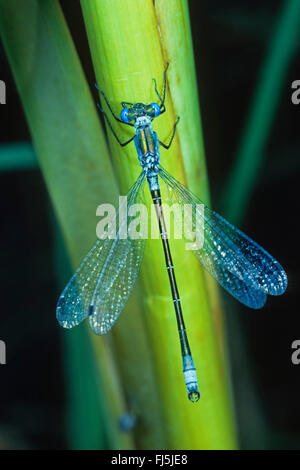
{"x": 156, "y": 109}
{"x": 124, "y": 115}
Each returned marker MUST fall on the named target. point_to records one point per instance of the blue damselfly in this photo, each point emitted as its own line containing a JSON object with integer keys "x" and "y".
{"x": 103, "y": 282}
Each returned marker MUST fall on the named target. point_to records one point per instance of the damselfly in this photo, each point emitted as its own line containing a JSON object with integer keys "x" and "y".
{"x": 100, "y": 287}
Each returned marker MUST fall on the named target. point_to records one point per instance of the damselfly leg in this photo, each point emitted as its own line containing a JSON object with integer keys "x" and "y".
{"x": 167, "y": 146}
{"x": 110, "y": 108}
{"x": 162, "y": 99}
{"x": 122, "y": 144}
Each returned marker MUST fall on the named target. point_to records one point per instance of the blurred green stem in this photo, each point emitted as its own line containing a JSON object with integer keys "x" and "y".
{"x": 283, "y": 43}
{"x": 72, "y": 153}
{"x": 16, "y": 156}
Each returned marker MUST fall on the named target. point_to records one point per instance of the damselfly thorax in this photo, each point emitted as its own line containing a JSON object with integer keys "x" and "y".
{"x": 146, "y": 144}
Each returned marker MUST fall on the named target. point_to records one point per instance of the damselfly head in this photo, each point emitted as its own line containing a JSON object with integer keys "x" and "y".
{"x": 130, "y": 112}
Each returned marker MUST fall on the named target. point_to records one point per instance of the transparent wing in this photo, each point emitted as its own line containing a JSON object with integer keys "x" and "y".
{"x": 239, "y": 264}
{"x": 104, "y": 280}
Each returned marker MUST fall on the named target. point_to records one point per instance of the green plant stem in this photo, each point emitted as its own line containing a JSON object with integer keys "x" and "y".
{"x": 272, "y": 78}
{"x": 130, "y": 44}
{"x": 17, "y": 156}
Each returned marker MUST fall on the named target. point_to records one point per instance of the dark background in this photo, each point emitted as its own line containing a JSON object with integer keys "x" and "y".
{"x": 230, "y": 40}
